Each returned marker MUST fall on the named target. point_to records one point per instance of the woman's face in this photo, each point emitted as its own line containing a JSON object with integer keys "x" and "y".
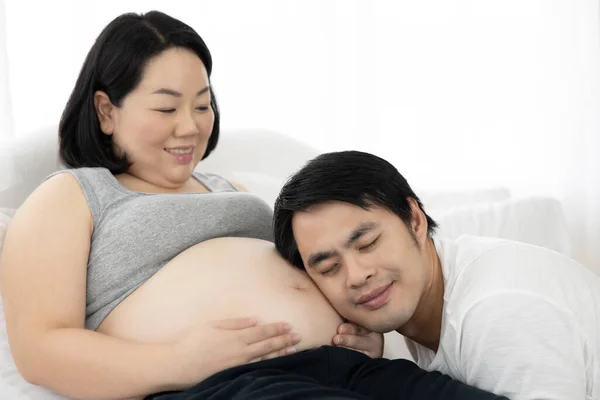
{"x": 164, "y": 124}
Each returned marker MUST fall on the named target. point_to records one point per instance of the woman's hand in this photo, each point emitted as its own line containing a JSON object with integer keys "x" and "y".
{"x": 210, "y": 348}
{"x": 361, "y": 339}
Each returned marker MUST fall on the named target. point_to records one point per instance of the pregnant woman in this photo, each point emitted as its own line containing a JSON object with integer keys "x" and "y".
{"x": 128, "y": 274}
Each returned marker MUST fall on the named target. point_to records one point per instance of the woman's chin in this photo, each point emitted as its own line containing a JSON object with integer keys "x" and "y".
{"x": 179, "y": 176}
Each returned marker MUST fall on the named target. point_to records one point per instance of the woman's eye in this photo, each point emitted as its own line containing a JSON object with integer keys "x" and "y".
{"x": 166, "y": 110}
{"x": 202, "y": 108}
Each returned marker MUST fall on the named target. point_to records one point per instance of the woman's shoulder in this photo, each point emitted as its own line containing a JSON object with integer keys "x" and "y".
{"x": 89, "y": 180}
{"x": 57, "y": 198}
{"x": 64, "y": 184}
{"x": 67, "y": 186}
{"x": 78, "y": 173}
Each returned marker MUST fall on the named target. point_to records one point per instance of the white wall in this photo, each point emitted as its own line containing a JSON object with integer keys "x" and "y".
{"x": 456, "y": 93}
{"x": 6, "y": 115}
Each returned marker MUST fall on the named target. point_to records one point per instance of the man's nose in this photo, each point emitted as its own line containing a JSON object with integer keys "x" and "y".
{"x": 358, "y": 273}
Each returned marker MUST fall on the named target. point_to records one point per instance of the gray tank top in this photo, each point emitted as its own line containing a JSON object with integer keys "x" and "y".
{"x": 135, "y": 234}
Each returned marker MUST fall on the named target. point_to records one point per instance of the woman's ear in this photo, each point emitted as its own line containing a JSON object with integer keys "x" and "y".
{"x": 105, "y": 110}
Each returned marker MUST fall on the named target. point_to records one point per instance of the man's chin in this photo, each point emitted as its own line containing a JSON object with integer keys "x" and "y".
{"x": 378, "y": 326}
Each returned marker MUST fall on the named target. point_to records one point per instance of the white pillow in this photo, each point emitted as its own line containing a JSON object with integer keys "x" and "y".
{"x": 12, "y": 384}
{"x": 5, "y": 217}
{"x": 535, "y": 220}
{"x": 264, "y": 186}
{"x": 449, "y": 199}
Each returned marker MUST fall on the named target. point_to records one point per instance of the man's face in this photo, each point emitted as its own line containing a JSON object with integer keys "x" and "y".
{"x": 366, "y": 262}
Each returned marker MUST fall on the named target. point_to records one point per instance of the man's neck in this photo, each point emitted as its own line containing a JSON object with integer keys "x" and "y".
{"x": 426, "y": 324}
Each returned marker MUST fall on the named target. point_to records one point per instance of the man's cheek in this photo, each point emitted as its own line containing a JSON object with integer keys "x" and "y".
{"x": 341, "y": 303}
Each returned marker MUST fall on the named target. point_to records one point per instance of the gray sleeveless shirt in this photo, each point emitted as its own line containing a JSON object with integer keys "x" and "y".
{"x": 135, "y": 234}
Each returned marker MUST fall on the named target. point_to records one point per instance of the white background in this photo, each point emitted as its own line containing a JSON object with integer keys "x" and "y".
{"x": 457, "y": 94}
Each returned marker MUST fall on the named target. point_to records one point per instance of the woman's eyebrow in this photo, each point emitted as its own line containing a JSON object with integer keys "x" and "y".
{"x": 175, "y": 93}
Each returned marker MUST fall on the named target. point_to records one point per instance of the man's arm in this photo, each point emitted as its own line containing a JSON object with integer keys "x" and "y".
{"x": 523, "y": 347}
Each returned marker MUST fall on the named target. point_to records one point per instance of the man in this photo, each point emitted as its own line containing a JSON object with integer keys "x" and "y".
{"x": 510, "y": 318}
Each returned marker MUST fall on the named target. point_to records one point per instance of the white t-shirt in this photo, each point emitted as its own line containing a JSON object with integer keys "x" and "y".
{"x": 519, "y": 321}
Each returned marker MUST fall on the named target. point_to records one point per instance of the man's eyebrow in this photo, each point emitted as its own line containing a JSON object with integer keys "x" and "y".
{"x": 175, "y": 93}
{"x": 319, "y": 257}
{"x": 362, "y": 229}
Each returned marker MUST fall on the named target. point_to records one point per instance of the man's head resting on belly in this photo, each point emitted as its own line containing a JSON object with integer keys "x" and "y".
{"x": 352, "y": 221}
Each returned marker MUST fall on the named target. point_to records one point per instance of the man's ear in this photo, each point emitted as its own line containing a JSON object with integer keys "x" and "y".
{"x": 418, "y": 222}
{"x": 105, "y": 110}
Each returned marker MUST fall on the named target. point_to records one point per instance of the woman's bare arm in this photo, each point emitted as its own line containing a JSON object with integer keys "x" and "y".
{"x": 43, "y": 284}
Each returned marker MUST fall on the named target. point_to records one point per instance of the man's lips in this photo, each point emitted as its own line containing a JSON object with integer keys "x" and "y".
{"x": 372, "y": 294}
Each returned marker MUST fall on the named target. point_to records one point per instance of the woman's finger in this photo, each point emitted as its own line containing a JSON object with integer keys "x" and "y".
{"x": 265, "y": 348}
{"x": 260, "y": 333}
{"x": 283, "y": 352}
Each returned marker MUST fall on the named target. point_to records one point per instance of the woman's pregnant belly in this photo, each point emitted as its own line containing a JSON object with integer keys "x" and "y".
{"x": 221, "y": 279}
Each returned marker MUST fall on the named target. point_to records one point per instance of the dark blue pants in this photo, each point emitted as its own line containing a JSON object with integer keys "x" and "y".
{"x": 328, "y": 373}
